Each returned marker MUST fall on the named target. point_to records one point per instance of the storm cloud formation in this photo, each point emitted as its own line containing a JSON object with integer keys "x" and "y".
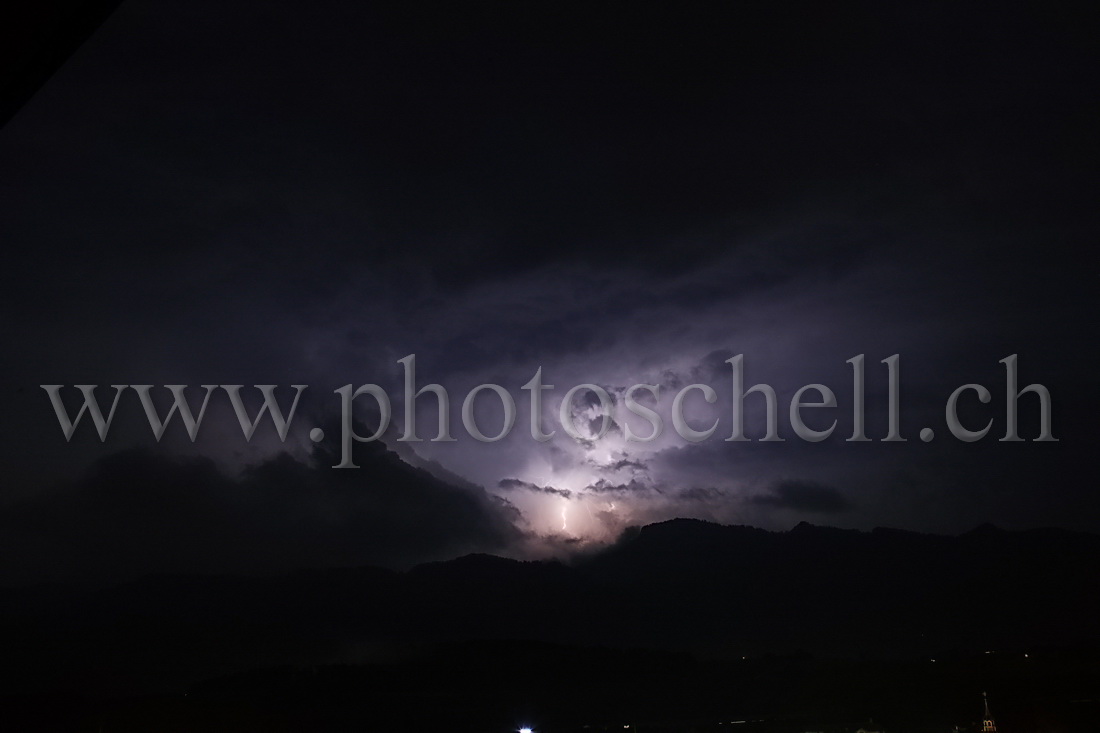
{"x": 805, "y": 496}
{"x": 298, "y": 194}
{"x": 140, "y": 512}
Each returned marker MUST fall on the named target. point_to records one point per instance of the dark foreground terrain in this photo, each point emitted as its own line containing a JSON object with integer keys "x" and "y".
{"x": 812, "y": 629}
{"x": 503, "y": 686}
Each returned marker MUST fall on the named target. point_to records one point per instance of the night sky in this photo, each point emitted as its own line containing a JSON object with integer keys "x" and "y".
{"x": 304, "y": 193}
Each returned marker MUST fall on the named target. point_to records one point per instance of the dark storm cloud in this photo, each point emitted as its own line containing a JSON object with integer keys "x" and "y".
{"x": 138, "y": 512}
{"x": 222, "y": 193}
{"x": 804, "y": 496}
{"x": 623, "y": 464}
{"x": 632, "y": 488}
{"x": 512, "y": 484}
{"x": 707, "y": 494}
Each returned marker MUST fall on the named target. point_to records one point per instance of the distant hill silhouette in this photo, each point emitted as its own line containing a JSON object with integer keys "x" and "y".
{"x": 680, "y": 585}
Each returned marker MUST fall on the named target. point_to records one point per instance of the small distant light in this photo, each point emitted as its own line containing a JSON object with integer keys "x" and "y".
{"x": 1025, "y": 656}
{"x": 525, "y": 730}
{"x": 933, "y": 660}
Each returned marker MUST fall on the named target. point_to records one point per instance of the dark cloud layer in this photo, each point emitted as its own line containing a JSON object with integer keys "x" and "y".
{"x": 224, "y": 193}
{"x": 512, "y": 484}
{"x": 139, "y": 512}
{"x": 804, "y": 496}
